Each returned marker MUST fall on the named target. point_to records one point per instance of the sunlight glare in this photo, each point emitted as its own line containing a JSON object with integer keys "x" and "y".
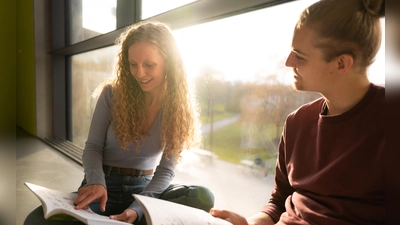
{"x": 99, "y": 15}
{"x": 247, "y": 46}
{"x": 154, "y": 7}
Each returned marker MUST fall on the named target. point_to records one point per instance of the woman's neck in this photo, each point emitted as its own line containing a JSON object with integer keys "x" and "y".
{"x": 154, "y": 104}
{"x": 154, "y": 99}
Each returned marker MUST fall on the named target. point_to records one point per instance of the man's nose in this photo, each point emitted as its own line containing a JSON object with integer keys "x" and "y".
{"x": 289, "y": 61}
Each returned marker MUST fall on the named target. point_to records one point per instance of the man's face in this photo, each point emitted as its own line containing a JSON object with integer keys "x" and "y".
{"x": 311, "y": 71}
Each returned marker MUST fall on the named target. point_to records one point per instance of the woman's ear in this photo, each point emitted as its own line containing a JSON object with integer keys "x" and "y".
{"x": 345, "y": 62}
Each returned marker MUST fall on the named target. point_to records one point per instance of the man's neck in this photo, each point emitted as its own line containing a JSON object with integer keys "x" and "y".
{"x": 346, "y": 97}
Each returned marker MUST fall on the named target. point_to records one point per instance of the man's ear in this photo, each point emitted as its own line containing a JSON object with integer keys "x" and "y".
{"x": 345, "y": 62}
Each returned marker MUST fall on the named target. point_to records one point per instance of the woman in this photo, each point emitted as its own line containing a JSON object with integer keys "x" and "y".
{"x": 144, "y": 118}
{"x": 330, "y": 161}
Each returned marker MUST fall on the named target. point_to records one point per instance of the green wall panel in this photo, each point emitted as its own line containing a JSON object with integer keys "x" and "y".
{"x": 8, "y": 68}
{"x": 25, "y": 80}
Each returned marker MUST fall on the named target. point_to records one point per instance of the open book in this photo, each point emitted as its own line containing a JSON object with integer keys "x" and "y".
{"x": 156, "y": 211}
{"x": 161, "y": 212}
{"x": 57, "y": 203}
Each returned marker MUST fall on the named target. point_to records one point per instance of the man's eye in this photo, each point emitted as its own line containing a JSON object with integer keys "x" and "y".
{"x": 299, "y": 58}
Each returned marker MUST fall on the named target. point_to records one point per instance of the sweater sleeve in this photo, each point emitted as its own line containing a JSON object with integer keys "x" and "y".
{"x": 92, "y": 157}
{"x": 161, "y": 180}
{"x": 282, "y": 188}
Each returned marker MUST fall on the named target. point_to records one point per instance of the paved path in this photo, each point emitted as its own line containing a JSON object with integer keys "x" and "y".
{"x": 235, "y": 187}
{"x": 205, "y": 128}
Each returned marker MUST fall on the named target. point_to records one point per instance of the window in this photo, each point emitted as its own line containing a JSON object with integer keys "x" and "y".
{"x": 155, "y": 7}
{"x": 90, "y": 18}
{"x": 88, "y": 71}
{"x": 237, "y": 66}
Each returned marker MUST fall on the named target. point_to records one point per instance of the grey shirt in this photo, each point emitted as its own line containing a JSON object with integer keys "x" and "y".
{"x": 102, "y": 147}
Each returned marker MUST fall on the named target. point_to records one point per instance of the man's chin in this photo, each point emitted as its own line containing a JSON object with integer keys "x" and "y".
{"x": 297, "y": 86}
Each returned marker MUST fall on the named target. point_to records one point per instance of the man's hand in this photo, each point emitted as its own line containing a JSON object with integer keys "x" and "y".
{"x": 129, "y": 215}
{"x": 236, "y": 219}
{"x": 88, "y": 194}
{"x": 229, "y": 216}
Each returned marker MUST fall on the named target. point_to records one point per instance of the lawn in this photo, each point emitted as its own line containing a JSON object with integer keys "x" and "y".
{"x": 227, "y": 144}
{"x": 219, "y": 114}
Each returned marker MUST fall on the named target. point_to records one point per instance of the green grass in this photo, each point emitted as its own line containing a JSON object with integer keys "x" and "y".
{"x": 227, "y": 140}
{"x": 219, "y": 113}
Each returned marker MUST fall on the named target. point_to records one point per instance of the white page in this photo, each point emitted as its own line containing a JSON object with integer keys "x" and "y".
{"x": 169, "y": 213}
{"x": 57, "y": 202}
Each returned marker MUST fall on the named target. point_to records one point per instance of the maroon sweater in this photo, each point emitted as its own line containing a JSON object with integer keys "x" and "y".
{"x": 330, "y": 168}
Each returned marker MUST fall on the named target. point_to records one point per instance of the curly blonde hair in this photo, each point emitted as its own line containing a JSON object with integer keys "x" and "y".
{"x": 180, "y": 125}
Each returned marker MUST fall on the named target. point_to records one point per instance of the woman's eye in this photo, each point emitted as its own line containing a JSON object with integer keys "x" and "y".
{"x": 133, "y": 65}
{"x": 149, "y": 65}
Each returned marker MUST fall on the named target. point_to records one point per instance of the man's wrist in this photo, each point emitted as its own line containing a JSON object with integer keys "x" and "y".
{"x": 260, "y": 218}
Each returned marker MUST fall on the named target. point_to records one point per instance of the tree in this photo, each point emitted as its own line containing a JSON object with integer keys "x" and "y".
{"x": 269, "y": 102}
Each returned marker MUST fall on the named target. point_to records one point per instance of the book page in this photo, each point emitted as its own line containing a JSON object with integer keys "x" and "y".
{"x": 57, "y": 202}
{"x": 161, "y": 212}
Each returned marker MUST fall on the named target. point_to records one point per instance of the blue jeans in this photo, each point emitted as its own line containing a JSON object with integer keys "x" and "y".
{"x": 119, "y": 192}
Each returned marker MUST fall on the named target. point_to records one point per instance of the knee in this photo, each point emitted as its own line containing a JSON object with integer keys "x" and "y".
{"x": 194, "y": 196}
{"x": 35, "y": 217}
{"x": 205, "y": 198}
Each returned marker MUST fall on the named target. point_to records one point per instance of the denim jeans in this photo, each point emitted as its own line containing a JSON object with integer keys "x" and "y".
{"x": 119, "y": 192}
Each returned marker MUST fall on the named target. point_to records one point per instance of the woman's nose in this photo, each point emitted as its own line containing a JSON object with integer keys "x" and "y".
{"x": 140, "y": 72}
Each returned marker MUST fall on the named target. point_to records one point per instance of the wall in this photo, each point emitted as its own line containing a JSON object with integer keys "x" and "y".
{"x": 25, "y": 71}
{"x": 43, "y": 68}
{"x": 7, "y": 111}
{"x": 8, "y": 66}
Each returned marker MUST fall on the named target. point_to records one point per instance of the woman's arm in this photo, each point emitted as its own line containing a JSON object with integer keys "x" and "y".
{"x": 92, "y": 157}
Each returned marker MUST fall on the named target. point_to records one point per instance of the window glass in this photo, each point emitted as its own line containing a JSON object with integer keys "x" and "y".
{"x": 244, "y": 90}
{"x": 236, "y": 66}
{"x": 154, "y": 7}
{"x": 90, "y": 18}
{"x": 88, "y": 71}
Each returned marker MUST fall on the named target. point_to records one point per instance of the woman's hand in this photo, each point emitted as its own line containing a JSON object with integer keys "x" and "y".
{"x": 88, "y": 194}
{"x": 129, "y": 215}
{"x": 229, "y": 216}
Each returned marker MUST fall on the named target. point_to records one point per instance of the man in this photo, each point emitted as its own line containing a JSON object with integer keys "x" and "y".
{"x": 330, "y": 161}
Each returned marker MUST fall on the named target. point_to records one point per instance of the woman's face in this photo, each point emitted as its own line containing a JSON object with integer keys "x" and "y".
{"x": 311, "y": 71}
{"x": 147, "y": 66}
